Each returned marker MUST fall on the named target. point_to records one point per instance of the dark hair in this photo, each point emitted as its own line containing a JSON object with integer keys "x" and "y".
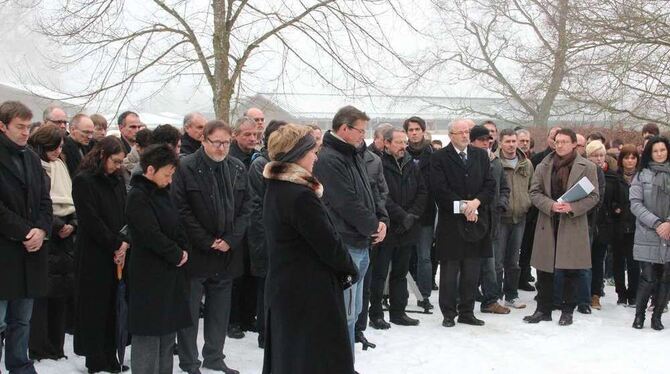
{"x": 217, "y": 124}
{"x": 414, "y": 119}
{"x": 273, "y": 126}
{"x": 158, "y": 155}
{"x": 597, "y": 136}
{"x": 99, "y": 121}
{"x": 651, "y": 128}
{"x": 645, "y": 159}
{"x": 122, "y": 117}
{"x": 568, "y": 132}
{"x": 14, "y": 109}
{"x": 616, "y": 143}
{"x": 166, "y": 134}
{"x": 388, "y": 133}
{"x": 143, "y": 138}
{"x": 95, "y": 160}
{"x": 490, "y": 122}
{"x": 45, "y": 139}
{"x": 347, "y": 116}
{"x": 436, "y": 141}
{"x": 34, "y": 126}
{"x": 506, "y": 132}
{"x": 627, "y": 149}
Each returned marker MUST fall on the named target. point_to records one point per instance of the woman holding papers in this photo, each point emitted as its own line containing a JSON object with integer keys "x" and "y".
{"x": 650, "y": 203}
{"x": 562, "y": 233}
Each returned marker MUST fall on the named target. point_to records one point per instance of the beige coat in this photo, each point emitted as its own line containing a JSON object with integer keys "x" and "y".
{"x": 571, "y": 249}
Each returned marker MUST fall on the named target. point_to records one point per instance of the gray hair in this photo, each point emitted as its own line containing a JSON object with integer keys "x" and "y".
{"x": 451, "y": 124}
{"x": 388, "y": 133}
{"x": 190, "y": 116}
{"x": 48, "y": 110}
{"x": 74, "y": 122}
{"x": 241, "y": 122}
{"x": 522, "y": 131}
{"x": 381, "y": 129}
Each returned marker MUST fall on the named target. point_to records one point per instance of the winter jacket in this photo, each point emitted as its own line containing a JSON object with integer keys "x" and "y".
{"x": 347, "y": 192}
{"x": 648, "y": 246}
{"x": 570, "y": 247}
{"x": 500, "y": 201}
{"x": 258, "y": 256}
{"x": 158, "y": 289}
{"x": 380, "y": 189}
{"x": 74, "y": 152}
{"x": 188, "y": 145}
{"x": 518, "y": 180}
{"x": 421, "y": 158}
{"x": 607, "y": 215}
{"x": 192, "y": 191}
{"x": 625, "y": 221}
{"x": 245, "y": 157}
{"x": 24, "y": 204}
{"x": 406, "y": 199}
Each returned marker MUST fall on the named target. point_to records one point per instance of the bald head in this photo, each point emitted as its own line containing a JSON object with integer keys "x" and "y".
{"x": 581, "y": 145}
{"x": 56, "y": 116}
{"x": 258, "y": 117}
{"x": 81, "y": 129}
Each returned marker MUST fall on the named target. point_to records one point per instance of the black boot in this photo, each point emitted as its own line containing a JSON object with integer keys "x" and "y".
{"x": 661, "y": 303}
{"x": 638, "y": 322}
{"x": 641, "y": 300}
{"x": 360, "y": 338}
{"x": 656, "y": 323}
{"x": 566, "y": 319}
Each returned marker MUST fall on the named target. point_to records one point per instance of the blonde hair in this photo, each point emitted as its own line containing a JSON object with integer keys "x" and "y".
{"x": 285, "y": 138}
{"x": 595, "y": 146}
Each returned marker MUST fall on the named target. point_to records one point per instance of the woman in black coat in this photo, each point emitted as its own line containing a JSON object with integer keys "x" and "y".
{"x": 47, "y": 324}
{"x": 308, "y": 265}
{"x": 99, "y": 197}
{"x": 159, "y": 301}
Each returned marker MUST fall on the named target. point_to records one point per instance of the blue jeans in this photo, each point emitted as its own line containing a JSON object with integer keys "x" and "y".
{"x": 424, "y": 265}
{"x": 353, "y": 296}
{"x": 507, "y": 249}
{"x": 488, "y": 280}
{"x": 15, "y": 321}
{"x": 583, "y": 291}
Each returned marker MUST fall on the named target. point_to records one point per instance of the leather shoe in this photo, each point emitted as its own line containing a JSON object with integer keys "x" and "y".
{"x": 656, "y": 323}
{"x": 404, "y": 320}
{"x": 566, "y": 319}
{"x": 470, "y": 320}
{"x": 638, "y": 322}
{"x": 584, "y": 309}
{"x": 235, "y": 332}
{"x": 448, "y": 322}
{"x": 525, "y": 286}
{"x": 425, "y": 304}
{"x": 537, "y": 317}
{"x": 379, "y": 324}
{"x": 221, "y": 366}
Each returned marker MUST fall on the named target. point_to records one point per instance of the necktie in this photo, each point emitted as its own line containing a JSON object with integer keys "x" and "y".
{"x": 464, "y": 158}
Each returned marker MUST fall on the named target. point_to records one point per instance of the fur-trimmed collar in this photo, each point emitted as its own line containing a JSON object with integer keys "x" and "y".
{"x": 290, "y": 172}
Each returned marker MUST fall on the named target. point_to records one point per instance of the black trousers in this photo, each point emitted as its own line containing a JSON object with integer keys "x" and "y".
{"x": 398, "y": 258}
{"x": 47, "y": 327}
{"x": 623, "y": 262}
{"x": 654, "y": 281}
{"x": 598, "y": 251}
{"x": 260, "y": 307}
{"x": 362, "y": 321}
{"x": 527, "y": 245}
{"x": 545, "y": 291}
{"x": 458, "y": 285}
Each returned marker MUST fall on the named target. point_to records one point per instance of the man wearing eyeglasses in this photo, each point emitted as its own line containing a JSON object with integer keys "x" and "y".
{"x": 129, "y": 124}
{"x": 78, "y": 143}
{"x": 210, "y": 190}
{"x": 56, "y": 116}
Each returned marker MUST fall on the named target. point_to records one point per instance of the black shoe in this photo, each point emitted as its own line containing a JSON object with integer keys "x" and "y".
{"x": 470, "y": 320}
{"x": 525, "y": 286}
{"x": 221, "y": 366}
{"x": 379, "y": 324}
{"x": 537, "y": 317}
{"x": 251, "y": 327}
{"x": 584, "y": 309}
{"x": 448, "y": 322}
{"x": 425, "y": 304}
{"x": 404, "y": 320}
{"x": 435, "y": 287}
{"x": 193, "y": 371}
{"x": 631, "y": 302}
{"x": 360, "y": 338}
{"x": 261, "y": 341}
{"x": 621, "y": 300}
{"x": 638, "y": 322}
{"x": 566, "y": 319}
{"x": 235, "y": 332}
{"x": 656, "y": 323}
{"x": 112, "y": 369}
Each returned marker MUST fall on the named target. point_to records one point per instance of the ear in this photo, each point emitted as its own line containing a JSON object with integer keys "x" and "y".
{"x": 151, "y": 170}
{"x": 3, "y": 127}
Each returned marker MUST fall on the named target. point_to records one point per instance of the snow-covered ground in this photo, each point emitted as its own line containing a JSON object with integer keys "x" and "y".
{"x": 600, "y": 342}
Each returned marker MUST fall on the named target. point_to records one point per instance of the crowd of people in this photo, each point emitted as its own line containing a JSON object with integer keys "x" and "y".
{"x": 308, "y": 237}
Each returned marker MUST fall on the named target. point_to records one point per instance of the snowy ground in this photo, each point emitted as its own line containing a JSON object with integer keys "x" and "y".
{"x": 602, "y": 341}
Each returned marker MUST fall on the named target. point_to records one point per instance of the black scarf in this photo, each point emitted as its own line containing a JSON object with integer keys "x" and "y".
{"x": 560, "y": 173}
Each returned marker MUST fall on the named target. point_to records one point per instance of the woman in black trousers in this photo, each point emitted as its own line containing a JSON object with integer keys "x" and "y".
{"x": 100, "y": 197}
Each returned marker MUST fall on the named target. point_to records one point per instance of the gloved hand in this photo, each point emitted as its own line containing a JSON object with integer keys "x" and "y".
{"x": 408, "y": 222}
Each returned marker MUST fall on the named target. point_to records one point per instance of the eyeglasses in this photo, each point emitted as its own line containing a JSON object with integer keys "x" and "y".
{"x": 360, "y": 131}
{"x": 219, "y": 144}
{"x": 465, "y": 132}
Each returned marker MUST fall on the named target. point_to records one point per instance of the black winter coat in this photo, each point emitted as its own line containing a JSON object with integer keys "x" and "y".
{"x": 159, "y": 290}
{"x": 99, "y": 201}
{"x": 306, "y": 325}
{"x": 406, "y": 200}
{"x": 451, "y": 181}
{"x": 347, "y": 192}
{"x": 194, "y": 198}
{"x": 422, "y": 159}
{"x": 246, "y": 158}
{"x": 188, "y": 145}
{"x": 625, "y": 221}
{"x": 62, "y": 259}
{"x": 258, "y": 255}
{"x": 74, "y": 152}
{"x": 607, "y": 215}
{"x": 24, "y": 204}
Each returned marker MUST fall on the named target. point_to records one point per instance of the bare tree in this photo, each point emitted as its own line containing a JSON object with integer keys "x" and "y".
{"x": 220, "y": 42}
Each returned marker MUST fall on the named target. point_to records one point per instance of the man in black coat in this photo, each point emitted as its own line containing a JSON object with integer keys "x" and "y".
{"x": 349, "y": 198}
{"x": 78, "y": 143}
{"x": 210, "y": 190}
{"x": 461, "y": 181}
{"x": 405, "y": 204}
{"x": 26, "y": 216}
{"x": 194, "y": 126}
{"x": 243, "y": 309}
{"x": 129, "y": 124}
{"x": 421, "y": 151}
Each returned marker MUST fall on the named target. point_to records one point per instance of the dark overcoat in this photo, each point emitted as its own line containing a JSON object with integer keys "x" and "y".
{"x": 159, "y": 291}
{"x": 306, "y": 325}
{"x": 452, "y": 180}
{"x": 100, "y": 201}
{"x": 24, "y": 204}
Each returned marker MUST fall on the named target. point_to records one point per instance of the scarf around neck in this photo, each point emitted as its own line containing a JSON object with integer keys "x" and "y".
{"x": 660, "y": 189}
{"x": 560, "y": 173}
{"x": 294, "y": 173}
{"x": 61, "y": 187}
